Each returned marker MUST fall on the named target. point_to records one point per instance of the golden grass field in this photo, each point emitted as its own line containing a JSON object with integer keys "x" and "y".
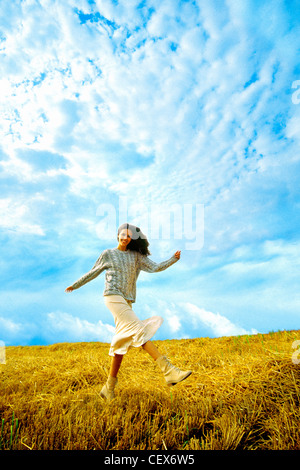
{"x": 243, "y": 394}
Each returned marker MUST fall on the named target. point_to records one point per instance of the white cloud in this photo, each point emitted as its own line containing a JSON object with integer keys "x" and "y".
{"x": 13, "y": 332}
{"x": 8, "y": 326}
{"x": 218, "y": 324}
{"x": 54, "y": 327}
{"x": 15, "y": 216}
{"x": 186, "y": 319}
{"x": 61, "y": 326}
{"x": 173, "y": 320}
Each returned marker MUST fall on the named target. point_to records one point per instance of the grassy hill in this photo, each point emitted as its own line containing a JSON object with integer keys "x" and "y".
{"x": 244, "y": 394}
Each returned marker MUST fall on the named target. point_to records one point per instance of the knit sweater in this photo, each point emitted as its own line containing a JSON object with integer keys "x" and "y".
{"x": 122, "y": 270}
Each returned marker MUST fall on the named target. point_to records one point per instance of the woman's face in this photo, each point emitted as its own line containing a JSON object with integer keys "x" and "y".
{"x": 125, "y": 237}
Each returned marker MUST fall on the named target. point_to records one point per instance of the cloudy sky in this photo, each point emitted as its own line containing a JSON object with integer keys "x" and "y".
{"x": 181, "y": 116}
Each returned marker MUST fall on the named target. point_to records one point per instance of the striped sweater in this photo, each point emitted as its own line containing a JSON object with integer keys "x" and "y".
{"x": 122, "y": 270}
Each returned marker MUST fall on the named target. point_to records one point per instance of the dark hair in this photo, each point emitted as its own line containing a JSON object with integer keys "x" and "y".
{"x": 138, "y": 241}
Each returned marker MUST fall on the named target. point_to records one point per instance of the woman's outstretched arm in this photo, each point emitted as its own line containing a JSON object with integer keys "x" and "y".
{"x": 97, "y": 269}
{"x": 150, "y": 266}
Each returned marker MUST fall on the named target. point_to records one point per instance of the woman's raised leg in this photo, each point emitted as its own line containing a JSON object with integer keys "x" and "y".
{"x": 151, "y": 349}
{"x": 172, "y": 374}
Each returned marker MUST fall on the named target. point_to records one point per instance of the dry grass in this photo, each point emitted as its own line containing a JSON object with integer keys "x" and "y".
{"x": 243, "y": 394}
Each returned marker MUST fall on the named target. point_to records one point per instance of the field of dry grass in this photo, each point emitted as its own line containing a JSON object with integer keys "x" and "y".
{"x": 244, "y": 394}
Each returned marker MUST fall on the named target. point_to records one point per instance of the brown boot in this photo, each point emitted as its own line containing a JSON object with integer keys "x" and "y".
{"x": 107, "y": 391}
{"x": 172, "y": 374}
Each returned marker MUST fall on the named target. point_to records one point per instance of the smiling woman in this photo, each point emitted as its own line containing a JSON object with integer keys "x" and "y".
{"x": 123, "y": 265}
{"x": 132, "y": 238}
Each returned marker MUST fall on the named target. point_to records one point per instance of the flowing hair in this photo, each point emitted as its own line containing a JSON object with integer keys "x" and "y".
{"x": 138, "y": 241}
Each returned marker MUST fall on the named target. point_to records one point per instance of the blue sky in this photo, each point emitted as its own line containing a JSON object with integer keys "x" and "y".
{"x": 160, "y": 104}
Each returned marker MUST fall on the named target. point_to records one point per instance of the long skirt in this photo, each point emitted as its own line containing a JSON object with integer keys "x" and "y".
{"x": 130, "y": 330}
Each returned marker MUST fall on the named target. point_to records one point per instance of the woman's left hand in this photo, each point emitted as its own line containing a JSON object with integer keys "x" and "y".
{"x": 177, "y": 254}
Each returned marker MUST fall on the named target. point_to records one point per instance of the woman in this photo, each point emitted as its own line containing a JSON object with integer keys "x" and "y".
{"x": 123, "y": 265}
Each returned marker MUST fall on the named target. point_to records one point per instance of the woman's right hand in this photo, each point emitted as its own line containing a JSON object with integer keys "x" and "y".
{"x": 69, "y": 289}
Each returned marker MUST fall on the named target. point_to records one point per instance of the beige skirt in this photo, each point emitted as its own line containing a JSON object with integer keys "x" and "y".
{"x": 130, "y": 330}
